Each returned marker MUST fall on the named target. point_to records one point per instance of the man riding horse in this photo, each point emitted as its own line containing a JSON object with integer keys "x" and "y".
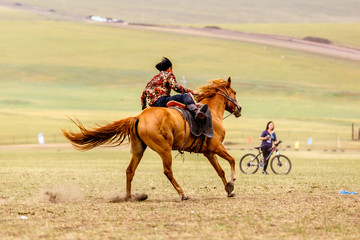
{"x": 164, "y": 129}
{"x": 157, "y": 91}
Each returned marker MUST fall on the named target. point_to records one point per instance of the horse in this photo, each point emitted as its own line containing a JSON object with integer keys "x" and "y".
{"x": 164, "y": 129}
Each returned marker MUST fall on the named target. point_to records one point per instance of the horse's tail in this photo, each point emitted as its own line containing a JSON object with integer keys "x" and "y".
{"x": 112, "y": 134}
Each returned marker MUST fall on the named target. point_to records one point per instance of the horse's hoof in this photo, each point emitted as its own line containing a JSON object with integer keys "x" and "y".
{"x": 229, "y": 187}
{"x": 183, "y": 198}
{"x": 140, "y": 197}
{"x": 232, "y": 194}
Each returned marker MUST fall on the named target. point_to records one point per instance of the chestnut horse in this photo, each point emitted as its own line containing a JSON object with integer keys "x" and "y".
{"x": 163, "y": 130}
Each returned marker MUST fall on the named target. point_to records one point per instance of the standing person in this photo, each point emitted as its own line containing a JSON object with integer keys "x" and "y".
{"x": 268, "y": 136}
{"x": 157, "y": 91}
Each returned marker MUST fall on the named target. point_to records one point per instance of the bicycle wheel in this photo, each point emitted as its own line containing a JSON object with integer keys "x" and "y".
{"x": 280, "y": 164}
{"x": 249, "y": 164}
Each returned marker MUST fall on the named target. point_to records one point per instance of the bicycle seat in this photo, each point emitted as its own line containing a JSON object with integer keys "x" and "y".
{"x": 257, "y": 147}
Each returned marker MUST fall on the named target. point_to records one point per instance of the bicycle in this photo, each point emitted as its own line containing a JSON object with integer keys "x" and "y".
{"x": 280, "y": 164}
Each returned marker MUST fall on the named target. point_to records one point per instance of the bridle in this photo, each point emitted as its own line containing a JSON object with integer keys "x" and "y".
{"x": 226, "y": 95}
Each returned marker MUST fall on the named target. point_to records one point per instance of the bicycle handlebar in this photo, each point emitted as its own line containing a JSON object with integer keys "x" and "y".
{"x": 276, "y": 144}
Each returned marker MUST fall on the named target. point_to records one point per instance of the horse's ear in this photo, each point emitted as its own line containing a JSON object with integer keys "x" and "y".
{"x": 229, "y": 80}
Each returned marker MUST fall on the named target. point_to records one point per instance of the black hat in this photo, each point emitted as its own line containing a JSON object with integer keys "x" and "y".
{"x": 164, "y": 64}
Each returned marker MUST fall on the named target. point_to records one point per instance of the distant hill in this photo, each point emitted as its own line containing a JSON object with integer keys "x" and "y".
{"x": 211, "y": 11}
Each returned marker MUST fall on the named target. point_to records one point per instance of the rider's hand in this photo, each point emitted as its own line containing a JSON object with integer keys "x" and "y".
{"x": 196, "y": 92}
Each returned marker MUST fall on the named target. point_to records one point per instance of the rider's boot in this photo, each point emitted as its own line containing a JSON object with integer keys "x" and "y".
{"x": 199, "y": 112}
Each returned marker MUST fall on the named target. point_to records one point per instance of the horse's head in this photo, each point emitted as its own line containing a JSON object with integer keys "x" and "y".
{"x": 232, "y": 104}
{"x": 223, "y": 88}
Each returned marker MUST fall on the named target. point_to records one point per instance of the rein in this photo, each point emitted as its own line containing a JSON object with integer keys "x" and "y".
{"x": 226, "y": 95}
{"x": 228, "y": 116}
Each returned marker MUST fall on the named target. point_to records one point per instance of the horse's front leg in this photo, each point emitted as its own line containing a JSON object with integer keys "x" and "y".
{"x": 229, "y": 186}
{"x": 223, "y": 153}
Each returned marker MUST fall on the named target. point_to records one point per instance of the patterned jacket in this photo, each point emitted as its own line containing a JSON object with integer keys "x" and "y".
{"x": 160, "y": 85}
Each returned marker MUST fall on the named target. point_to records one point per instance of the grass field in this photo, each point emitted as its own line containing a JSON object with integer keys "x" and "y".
{"x": 96, "y": 73}
{"x": 302, "y": 205}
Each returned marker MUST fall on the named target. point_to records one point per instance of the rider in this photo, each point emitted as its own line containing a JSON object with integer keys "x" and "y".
{"x": 268, "y": 136}
{"x": 157, "y": 91}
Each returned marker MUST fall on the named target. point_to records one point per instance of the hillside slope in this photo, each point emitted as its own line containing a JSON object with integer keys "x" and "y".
{"x": 97, "y": 73}
{"x": 50, "y": 69}
{"x": 210, "y": 11}
{"x": 208, "y": 31}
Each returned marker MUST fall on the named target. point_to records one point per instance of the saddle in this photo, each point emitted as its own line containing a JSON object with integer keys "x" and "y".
{"x": 197, "y": 127}
{"x": 200, "y": 129}
{"x": 175, "y": 104}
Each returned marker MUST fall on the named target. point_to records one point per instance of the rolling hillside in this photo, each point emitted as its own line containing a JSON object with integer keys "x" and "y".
{"x": 341, "y": 34}
{"x": 210, "y": 11}
{"x": 50, "y": 69}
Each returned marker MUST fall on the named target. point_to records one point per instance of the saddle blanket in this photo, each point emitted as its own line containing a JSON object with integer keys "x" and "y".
{"x": 198, "y": 127}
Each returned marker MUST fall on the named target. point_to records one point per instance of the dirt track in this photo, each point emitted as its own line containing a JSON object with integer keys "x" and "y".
{"x": 272, "y": 40}
{"x": 265, "y": 39}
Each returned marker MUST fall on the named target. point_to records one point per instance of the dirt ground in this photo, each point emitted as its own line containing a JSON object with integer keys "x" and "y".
{"x": 59, "y": 193}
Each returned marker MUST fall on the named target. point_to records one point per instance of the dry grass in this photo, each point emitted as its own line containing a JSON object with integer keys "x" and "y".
{"x": 303, "y": 205}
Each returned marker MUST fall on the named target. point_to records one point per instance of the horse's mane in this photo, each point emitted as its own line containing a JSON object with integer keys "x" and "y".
{"x": 209, "y": 90}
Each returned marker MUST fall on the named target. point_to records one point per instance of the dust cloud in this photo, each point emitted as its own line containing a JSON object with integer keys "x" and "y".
{"x": 61, "y": 194}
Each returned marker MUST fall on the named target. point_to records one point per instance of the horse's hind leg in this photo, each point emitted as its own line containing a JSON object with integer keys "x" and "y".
{"x": 137, "y": 151}
{"x": 167, "y": 164}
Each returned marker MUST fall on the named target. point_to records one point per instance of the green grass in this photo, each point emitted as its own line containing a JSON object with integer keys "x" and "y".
{"x": 301, "y": 205}
{"x": 50, "y": 70}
